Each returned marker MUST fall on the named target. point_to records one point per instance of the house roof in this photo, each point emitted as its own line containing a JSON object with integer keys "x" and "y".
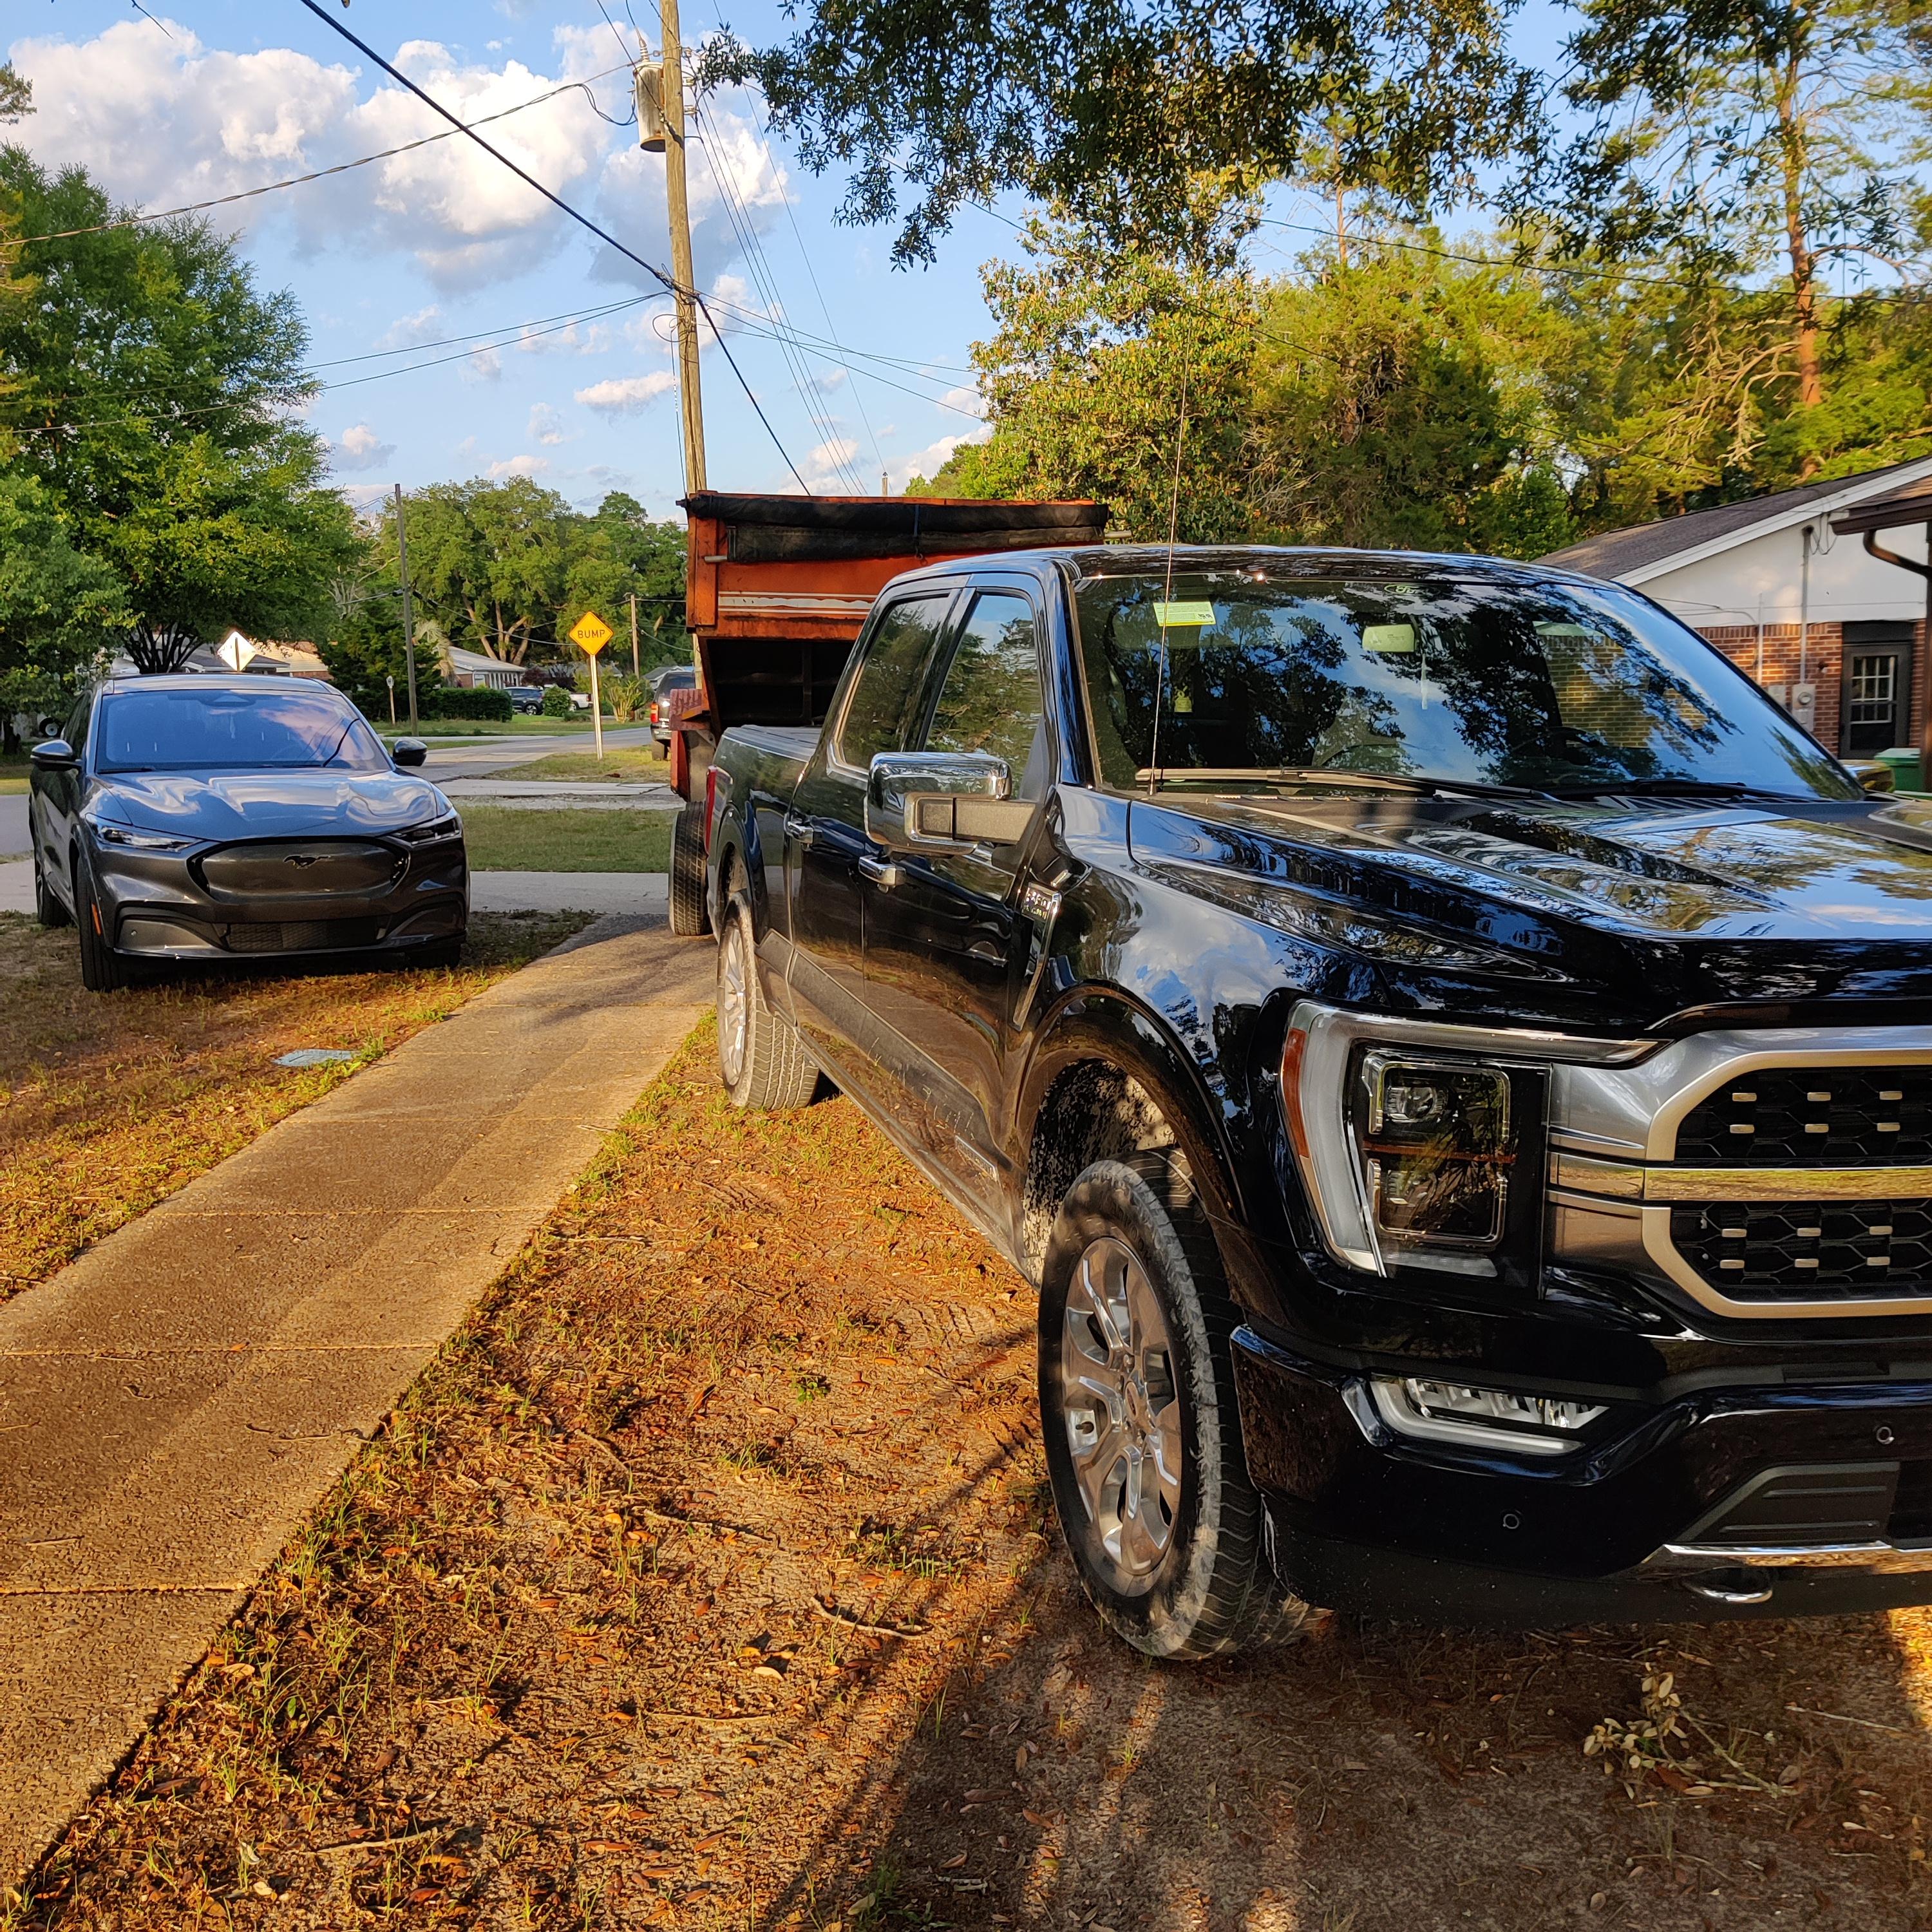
{"x": 1647, "y": 549}
{"x": 1895, "y": 509}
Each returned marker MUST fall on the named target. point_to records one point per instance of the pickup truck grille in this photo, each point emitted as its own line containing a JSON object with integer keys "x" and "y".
{"x": 1813, "y": 1117}
{"x": 1807, "y": 1250}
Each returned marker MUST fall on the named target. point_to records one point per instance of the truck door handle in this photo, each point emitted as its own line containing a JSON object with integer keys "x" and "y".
{"x": 797, "y": 829}
{"x": 884, "y": 873}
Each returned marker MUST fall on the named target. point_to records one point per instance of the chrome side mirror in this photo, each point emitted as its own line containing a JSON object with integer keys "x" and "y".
{"x": 56, "y": 755}
{"x": 409, "y": 751}
{"x": 943, "y": 801}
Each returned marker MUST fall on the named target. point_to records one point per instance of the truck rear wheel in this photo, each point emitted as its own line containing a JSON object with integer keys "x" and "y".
{"x": 1143, "y": 1442}
{"x": 761, "y": 1060}
{"x": 689, "y": 916}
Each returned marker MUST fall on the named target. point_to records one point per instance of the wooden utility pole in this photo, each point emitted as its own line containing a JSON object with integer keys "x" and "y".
{"x": 633, "y": 634}
{"x": 408, "y": 621}
{"x": 679, "y": 206}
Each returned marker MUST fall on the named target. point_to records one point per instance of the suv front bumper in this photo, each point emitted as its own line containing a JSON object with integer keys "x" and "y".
{"x": 1795, "y": 1498}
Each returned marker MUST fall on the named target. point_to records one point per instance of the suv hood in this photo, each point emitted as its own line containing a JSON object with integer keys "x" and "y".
{"x": 266, "y": 804}
{"x": 1717, "y": 903}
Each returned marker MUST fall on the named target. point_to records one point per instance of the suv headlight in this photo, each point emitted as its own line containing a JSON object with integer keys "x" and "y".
{"x": 1412, "y": 1157}
{"x": 131, "y": 838}
{"x": 448, "y": 827}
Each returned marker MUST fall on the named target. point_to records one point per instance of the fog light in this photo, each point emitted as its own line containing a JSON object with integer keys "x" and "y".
{"x": 1481, "y": 1418}
{"x": 1437, "y": 1145}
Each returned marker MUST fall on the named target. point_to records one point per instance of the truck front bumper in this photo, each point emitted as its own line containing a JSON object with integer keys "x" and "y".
{"x": 1799, "y": 1498}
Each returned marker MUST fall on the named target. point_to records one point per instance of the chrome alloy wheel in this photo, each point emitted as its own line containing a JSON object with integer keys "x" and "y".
{"x": 1121, "y": 1407}
{"x": 734, "y": 1004}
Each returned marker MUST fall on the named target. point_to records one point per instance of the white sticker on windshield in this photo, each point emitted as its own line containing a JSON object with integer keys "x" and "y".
{"x": 1172, "y": 616}
{"x": 1388, "y": 636}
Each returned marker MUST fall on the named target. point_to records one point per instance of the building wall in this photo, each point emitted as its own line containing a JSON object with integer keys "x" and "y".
{"x": 1761, "y": 581}
{"x": 1786, "y": 656}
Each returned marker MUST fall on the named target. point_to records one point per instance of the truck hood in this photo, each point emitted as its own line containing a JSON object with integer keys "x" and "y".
{"x": 267, "y": 805}
{"x": 1725, "y": 902}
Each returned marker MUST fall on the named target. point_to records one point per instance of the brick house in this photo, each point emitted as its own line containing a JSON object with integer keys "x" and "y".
{"x": 1792, "y": 589}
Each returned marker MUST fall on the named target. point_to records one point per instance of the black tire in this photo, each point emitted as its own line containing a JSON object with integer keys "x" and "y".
{"x": 440, "y": 957}
{"x": 101, "y": 970}
{"x": 689, "y": 915}
{"x": 47, "y": 908}
{"x": 1166, "y": 1531}
{"x": 761, "y": 1060}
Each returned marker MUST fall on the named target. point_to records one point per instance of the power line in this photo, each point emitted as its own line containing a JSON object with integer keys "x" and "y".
{"x": 583, "y": 220}
{"x": 296, "y": 181}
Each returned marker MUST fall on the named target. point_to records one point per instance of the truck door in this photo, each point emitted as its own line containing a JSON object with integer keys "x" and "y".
{"x": 945, "y": 939}
{"x": 826, "y": 851}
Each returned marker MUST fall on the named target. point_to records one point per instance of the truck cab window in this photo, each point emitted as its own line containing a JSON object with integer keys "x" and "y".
{"x": 992, "y": 700}
{"x": 883, "y": 711}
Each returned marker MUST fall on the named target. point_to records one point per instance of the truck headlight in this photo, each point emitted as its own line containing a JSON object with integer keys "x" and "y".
{"x": 1409, "y": 1155}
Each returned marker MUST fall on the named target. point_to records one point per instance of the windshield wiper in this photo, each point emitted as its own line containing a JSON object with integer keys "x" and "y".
{"x": 1412, "y": 783}
{"x": 1672, "y": 788}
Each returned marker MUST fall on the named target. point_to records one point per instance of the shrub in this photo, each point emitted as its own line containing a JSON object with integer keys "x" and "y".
{"x": 556, "y": 702}
{"x": 625, "y": 697}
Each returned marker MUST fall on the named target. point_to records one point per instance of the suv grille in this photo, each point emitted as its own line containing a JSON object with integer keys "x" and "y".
{"x": 304, "y": 935}
{"x": 1813, "y": 1117}
{"x": 1808, "y": 1250}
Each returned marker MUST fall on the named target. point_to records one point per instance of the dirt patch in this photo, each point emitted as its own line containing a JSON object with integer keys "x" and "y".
{"x": 708, "y": 1581}
{"x": 111, "y": 1102}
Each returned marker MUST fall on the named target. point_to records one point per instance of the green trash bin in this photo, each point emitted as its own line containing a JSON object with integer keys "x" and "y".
{"x": 1903, "y": 761}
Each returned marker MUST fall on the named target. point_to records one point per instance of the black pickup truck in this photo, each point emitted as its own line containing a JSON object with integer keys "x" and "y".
{"x": 1453, "y": 1056}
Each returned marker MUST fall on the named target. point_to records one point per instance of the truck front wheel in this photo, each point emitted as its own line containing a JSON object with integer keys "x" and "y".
{"x": 761, "y": 1060}
{"x": 688, "y": 915}
{"x": 1143, "y": 1443}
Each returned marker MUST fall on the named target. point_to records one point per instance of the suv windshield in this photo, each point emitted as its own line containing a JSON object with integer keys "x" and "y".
{"x": 1227, "y": 679}
{"x": 226, "y": 730}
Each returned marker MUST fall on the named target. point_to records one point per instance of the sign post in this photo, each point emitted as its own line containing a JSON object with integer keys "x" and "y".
{"x": 390, "y": 680}
{"x": 590, "y": 634}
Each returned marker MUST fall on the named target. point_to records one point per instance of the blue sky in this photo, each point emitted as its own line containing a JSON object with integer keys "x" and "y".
{"x": 463, "y": 328}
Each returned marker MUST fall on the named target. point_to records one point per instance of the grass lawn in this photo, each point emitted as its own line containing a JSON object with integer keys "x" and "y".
{"x": 627, "y": 765}
{"x": 707, "y": 1580}
{"x": 502, "y": 838}
{"x": 109, "y": 1104}
{"x": 12, "y": 780}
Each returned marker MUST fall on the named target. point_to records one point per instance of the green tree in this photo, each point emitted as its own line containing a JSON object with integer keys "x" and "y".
{"x": 60, "y": 609}
{"x": 152, "y": 384}
{"x": 1755, "y": 143}
{"x": 619, "y": 553}
{"x": 1114, "y": 108}
{"x": 489, "y": 561}
{"x": 1117, "y": 374}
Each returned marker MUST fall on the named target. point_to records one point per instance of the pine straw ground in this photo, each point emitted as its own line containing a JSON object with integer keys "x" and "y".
{"x": 707, "y": 1581}
{"x": 110, "y": 1103}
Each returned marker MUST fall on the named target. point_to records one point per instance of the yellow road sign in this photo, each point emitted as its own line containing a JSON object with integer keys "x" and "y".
{"x": 590, "y": 634}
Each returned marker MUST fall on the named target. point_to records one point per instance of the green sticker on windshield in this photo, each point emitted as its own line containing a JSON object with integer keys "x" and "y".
{"x": 1388, "y": 636}
{"x": 1172, "y": 616}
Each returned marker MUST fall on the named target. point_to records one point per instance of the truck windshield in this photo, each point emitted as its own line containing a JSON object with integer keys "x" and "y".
{"x": 223, "y": 729}
{"x": 1229, "y": 680}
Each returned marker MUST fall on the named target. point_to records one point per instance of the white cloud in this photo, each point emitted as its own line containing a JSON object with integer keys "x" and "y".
{"x": 517, "y": 465}
{"x": 830, "y": 379}
{"x": 406, "y": 331}
{"x": 359, "y": 448}
{"x": 158, "y": 122}
{"x": 545, "y": 425}
{"x": 930, "y": 460}
{"x": 969, "y": 399}
{"x": 626, "y": 395}
{"x": 826, "y": 463}
{"x": 484, "y": 365}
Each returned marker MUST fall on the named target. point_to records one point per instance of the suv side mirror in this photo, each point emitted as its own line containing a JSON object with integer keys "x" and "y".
{"x": 409, "y": 751}
{"x": 56, "y": 755}
{"x": 943, "y": 801}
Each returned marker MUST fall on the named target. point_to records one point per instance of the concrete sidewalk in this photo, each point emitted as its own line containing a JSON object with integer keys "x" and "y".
{"x": 174, "y": 1403}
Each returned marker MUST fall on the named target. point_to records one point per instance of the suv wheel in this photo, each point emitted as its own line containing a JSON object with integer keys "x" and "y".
{"x": 689, "y": 916}
{"x": 101, "y": 970}
{"x": 47, "y": 909}
{"x": 1143, "y": 1443}
{"x": 761, "y": 1060}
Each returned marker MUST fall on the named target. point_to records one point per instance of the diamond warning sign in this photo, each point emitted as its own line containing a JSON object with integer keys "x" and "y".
{"x": 590, "y": 634}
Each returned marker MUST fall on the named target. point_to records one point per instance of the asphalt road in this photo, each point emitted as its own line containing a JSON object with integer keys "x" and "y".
{"x": 464, "y": 757}
{"x": 12, "y": 824}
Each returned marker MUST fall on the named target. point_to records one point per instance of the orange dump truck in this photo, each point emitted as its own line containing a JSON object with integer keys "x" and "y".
{"x": 777, "y": 591}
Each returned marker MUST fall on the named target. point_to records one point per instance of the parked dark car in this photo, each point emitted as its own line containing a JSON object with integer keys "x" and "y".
{"x": 207, "y": 819}
{"x": 1452, "y": 1055}
{"x": 662, "y": 682}
{"x": 526, "y": 700}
